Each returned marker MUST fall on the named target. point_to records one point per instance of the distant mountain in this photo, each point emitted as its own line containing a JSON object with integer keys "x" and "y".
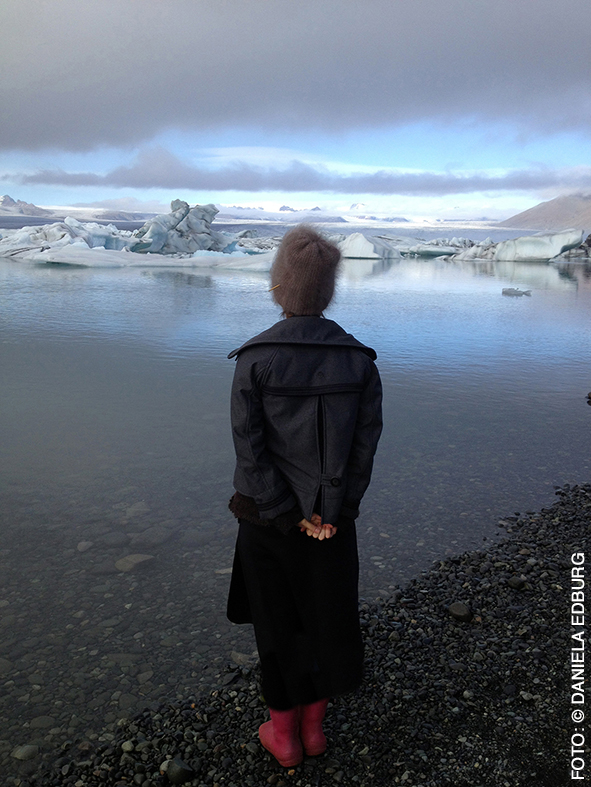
{"x": 397, "y": 219}
{"x": 11, "y": 207}
{"x": 123, "y": 215}
{"x": 557, "y": 214}
{"x": 287, "y": 208}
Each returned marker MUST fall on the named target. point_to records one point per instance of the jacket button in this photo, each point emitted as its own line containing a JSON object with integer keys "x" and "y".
{"x": 335, "y": 481}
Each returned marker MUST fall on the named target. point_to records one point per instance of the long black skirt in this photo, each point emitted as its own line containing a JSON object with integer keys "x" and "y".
{"x": 301, "y": 596}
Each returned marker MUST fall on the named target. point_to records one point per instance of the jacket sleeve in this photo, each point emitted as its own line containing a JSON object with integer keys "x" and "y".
{"x": 368, "y": 429}
{"x": 256, "y": 474}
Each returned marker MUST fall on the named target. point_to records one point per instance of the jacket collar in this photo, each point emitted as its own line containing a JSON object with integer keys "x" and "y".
{"x": 306, "y": 330}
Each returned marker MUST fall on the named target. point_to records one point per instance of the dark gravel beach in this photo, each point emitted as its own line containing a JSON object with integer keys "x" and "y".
{"x": 471, "y": 694}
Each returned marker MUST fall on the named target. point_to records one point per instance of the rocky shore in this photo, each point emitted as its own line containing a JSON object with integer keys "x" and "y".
{"x": 467, "y": 683}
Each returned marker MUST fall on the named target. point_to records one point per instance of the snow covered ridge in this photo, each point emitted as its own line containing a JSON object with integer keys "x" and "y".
{"x": 184, "y": 237}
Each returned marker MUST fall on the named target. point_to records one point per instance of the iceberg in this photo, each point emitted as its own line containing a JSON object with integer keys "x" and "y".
{"x": 358, "y": 246}
{"x": 541, "y": 248}
{"x": 60, "y": 234}
{"x": 439, "y": 247}
{"x": 184, "y": 230}
{"x": 79, "y": 254}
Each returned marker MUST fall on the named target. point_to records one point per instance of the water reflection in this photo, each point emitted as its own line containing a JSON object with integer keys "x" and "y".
{"x": 181, "y": 278}
{"x": 539, "y": 275}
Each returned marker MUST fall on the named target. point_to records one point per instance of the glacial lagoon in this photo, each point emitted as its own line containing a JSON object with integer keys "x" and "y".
{"x": 115, "y": 440}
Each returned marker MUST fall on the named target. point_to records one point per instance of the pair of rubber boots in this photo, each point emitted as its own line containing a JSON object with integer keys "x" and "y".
{"x": 291, "y": 733}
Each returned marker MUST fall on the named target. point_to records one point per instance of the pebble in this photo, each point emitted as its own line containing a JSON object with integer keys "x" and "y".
{"x": 42, "y": 722}
{"x": 516, "y": 582}
{"x": 131, "y": 562}
{"x": 25, "y": 752}
{"x": 178, "y": 772}
{"x": 460, "y": 611}
{"x": 84, "y": 546}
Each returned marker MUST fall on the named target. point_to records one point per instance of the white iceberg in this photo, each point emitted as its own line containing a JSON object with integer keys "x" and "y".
{"x": 80, "y": 254}
{"x": 358, "y": 246}
{"x": 439, "y": 247}
{"x": 183, "y": 231}
{"x": 60, "y": 234}
{"x": 542, "y": 247}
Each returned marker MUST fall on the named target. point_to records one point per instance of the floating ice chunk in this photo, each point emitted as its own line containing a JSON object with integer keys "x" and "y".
{"x": 62, "y": 234}
{"x": 439, "y": 247}
{"x": 79, "y": 254}
{"x": 515, "y": 292}
{"x": 358, "y": 246}
{"x": 538, "y": 247}
{"x": 542, "y": 247}
{"x": 183, "y": 231}
{"x": 98, "y": 235}
{"x": 15, "y": 241}
{"x": 153, "y": 236}
{"x": 431, "y": 250}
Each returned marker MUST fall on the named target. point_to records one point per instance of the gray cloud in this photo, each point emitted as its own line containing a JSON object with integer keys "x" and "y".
{"x": 157, "y": 168}
{"x": 116, "y": 72}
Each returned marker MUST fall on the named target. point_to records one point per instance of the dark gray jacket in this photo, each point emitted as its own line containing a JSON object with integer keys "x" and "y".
{"x": 306, "y": 418}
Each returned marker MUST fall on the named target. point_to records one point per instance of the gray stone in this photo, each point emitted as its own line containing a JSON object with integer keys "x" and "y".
{"x": 127, "y": 701}
{"x": 84, "y": 546}
{"x": 132, "y": 562}
{"x": 26, "y": 752}
{"x": 516, "y": 582}
{"x": 110, "y": 622}
{"x": 178, "y": 772}
{"x": 42, "y": 723}
{"x": 460, "y": 611}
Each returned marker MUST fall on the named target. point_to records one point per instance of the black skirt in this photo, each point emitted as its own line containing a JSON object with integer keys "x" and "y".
{"x": 301, "y": 596}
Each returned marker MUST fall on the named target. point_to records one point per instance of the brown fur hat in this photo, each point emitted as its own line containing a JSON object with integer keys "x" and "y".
{"x": 303, "y": 274}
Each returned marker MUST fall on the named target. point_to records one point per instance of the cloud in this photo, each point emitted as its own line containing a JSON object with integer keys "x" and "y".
{"x": 77, "y": 75}
{"x": 158, "y": 168}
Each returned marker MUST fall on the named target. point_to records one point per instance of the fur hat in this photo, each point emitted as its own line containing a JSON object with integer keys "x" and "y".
{"x": 303, "y": 274}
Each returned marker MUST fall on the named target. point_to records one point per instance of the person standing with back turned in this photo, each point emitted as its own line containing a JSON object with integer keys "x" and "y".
{"x": 306, "y": 420}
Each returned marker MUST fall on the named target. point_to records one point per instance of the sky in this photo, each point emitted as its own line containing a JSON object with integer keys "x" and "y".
{"x": 455, "y": 108}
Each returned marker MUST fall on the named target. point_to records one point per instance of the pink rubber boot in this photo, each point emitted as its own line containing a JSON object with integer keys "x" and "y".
{"x": 280, "y": 736}
{"x": 311, "y": 733}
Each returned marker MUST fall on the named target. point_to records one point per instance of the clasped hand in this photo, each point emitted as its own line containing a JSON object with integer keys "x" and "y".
{"x": 316, "y": 529}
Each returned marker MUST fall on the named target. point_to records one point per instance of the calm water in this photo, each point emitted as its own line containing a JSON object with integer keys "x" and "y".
{"x": 114, "y": 392}
{"x": 116, "y": 380}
